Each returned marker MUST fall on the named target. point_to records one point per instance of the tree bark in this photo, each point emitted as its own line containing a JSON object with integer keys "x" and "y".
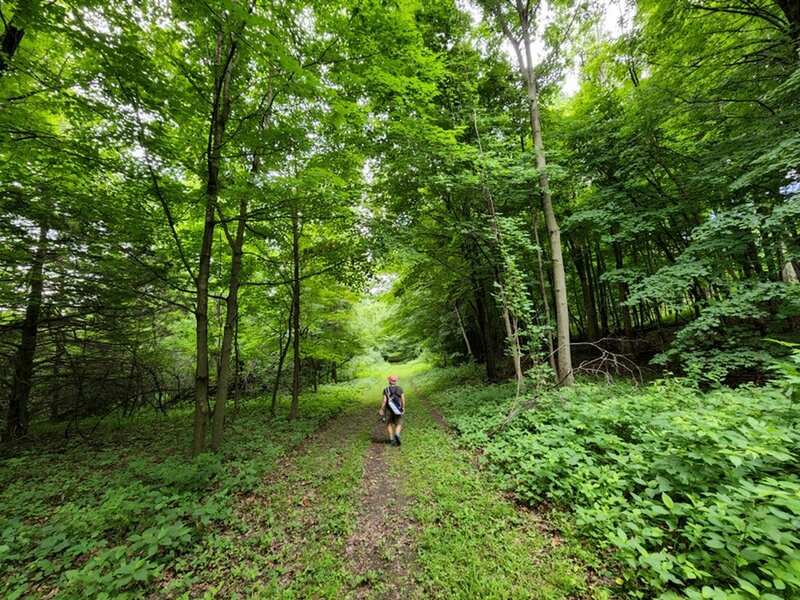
{"x": 281, "y": 359}
{"x": 219, "y": 118}
{"x": 22, "y": 382}
{"x": 463, "y": 331}
{"x": 231, "y": 316}
{"x": 237, "y": 380}
{"x": 296, "y": 312}
{"x": 582, "y": 263}
{"x": 525, "y": 63}
{"x": 543, "y": 289}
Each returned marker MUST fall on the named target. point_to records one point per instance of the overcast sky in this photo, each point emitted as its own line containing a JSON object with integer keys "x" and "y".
{"x": 616, "y": 19}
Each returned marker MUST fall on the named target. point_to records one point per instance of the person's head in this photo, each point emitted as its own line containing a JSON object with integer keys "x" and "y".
{"x": 392, "y": 379}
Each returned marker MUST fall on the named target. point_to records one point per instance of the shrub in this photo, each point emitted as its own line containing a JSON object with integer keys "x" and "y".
{"x": 698, "y": 494}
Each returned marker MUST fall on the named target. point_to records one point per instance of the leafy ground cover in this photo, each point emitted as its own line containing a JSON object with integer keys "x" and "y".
{"x": 697, "y": 494}
{"x": 320, "y": 508}
{"x": 472, "y": 542}
{"x": 132, "y": 511}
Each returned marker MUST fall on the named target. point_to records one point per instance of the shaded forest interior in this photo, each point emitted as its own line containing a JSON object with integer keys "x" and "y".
{"x": 196, "y": 199}
{"x": 209, "y": 211}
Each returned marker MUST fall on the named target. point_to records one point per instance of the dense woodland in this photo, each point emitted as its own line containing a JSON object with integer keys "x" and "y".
{"x": 209, "y": 202}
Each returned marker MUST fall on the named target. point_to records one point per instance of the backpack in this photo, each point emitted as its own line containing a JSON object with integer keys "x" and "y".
{"x": 394, "y": 399}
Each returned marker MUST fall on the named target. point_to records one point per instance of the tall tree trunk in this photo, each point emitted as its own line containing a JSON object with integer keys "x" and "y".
{"x": 219, "y": 118}
{"x": 296, "y": 311}
{"x": 232, "y": 310}
{"x": 559, "y": 277}
{"x": 551, "y": 355}
{"x": 525, "y": 62}
{"x": 231, "y": 316}
{"x": 22, "y": 382}
{"x": 281, "y": 359}
{"x": 201, "y": 335}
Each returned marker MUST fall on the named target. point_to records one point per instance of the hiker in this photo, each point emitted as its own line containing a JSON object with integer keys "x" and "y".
{"x": 392, "y": 408}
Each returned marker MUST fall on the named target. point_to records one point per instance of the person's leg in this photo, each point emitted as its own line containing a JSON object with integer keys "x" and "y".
{"x": 390, "y": 430}
{"x": 397, "y": 429}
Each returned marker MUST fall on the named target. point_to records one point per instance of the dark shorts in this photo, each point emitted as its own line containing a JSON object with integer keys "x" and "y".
{"x": 393, "y": 418}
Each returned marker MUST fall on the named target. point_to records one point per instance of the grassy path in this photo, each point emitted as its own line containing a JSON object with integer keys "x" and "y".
{"x": 290, "y": 511}
{"x": 345, "y": 515}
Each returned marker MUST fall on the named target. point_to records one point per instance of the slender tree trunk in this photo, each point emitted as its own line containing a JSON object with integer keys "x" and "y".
{"x": 488, "y": 331}
{"x": 596, "y": 289}
{"x": 590, "y": 312}
{"x": 219, "y": 118}
{"x": 237, "y": 380}
{"x": 231, "y": 317}
{"x": 559, "y": 277}
{"x": 201, "y": 335}
{"x": 314, "y": 372}
{"x": 485, "y": 324}
{"x": 551, "y": 355}
{"x": 22, "y": 382}
{"x": 525, "y": 62}
{"x": 602, "y": 288}
{"x": 232, "y": 310}
{"x": 296, "y": 312}
{"x": 463, "y": 331}
{"x": 622, "y": 290}
{"x": 281, "y": 359}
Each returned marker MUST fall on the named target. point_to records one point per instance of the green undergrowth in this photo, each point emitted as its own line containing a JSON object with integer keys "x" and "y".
{"x": 286, "y": 536}
{"x": 471, "y": 542}
{"x": 132, "y": 512}
{"x": 697, "y": 494}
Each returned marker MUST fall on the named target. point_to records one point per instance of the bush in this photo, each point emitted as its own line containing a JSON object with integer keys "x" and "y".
{"x": 697, "y": 494}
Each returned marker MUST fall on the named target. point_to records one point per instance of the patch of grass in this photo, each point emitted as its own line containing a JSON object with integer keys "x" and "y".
{"x": 133, "y": 513}
{"x": 472, "y": 543}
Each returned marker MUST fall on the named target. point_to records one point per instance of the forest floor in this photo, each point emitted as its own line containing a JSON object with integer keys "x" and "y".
{"x": 345, "y": 514}
{"x": 321, "y": 507}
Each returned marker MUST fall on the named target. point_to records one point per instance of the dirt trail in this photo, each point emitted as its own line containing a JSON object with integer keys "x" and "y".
{"x": 334, "y": 520}
{"x": 380, "y": 547}
{"x": 378, "y": 553}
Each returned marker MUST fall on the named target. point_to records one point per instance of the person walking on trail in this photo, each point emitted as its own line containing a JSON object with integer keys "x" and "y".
{"x": 392, "y": 408}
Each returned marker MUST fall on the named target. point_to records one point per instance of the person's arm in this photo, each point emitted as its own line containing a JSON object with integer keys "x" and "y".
{"x": 383, "y": 405}
{"x": 403, "y": 402}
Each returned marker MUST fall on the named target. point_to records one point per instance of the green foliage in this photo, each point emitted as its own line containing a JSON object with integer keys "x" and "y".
{"x": 471, "y": 542}
{"x": 109, "y": 522}
{"x": 725, "y": 337}
{"x": 697, "y": 494}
